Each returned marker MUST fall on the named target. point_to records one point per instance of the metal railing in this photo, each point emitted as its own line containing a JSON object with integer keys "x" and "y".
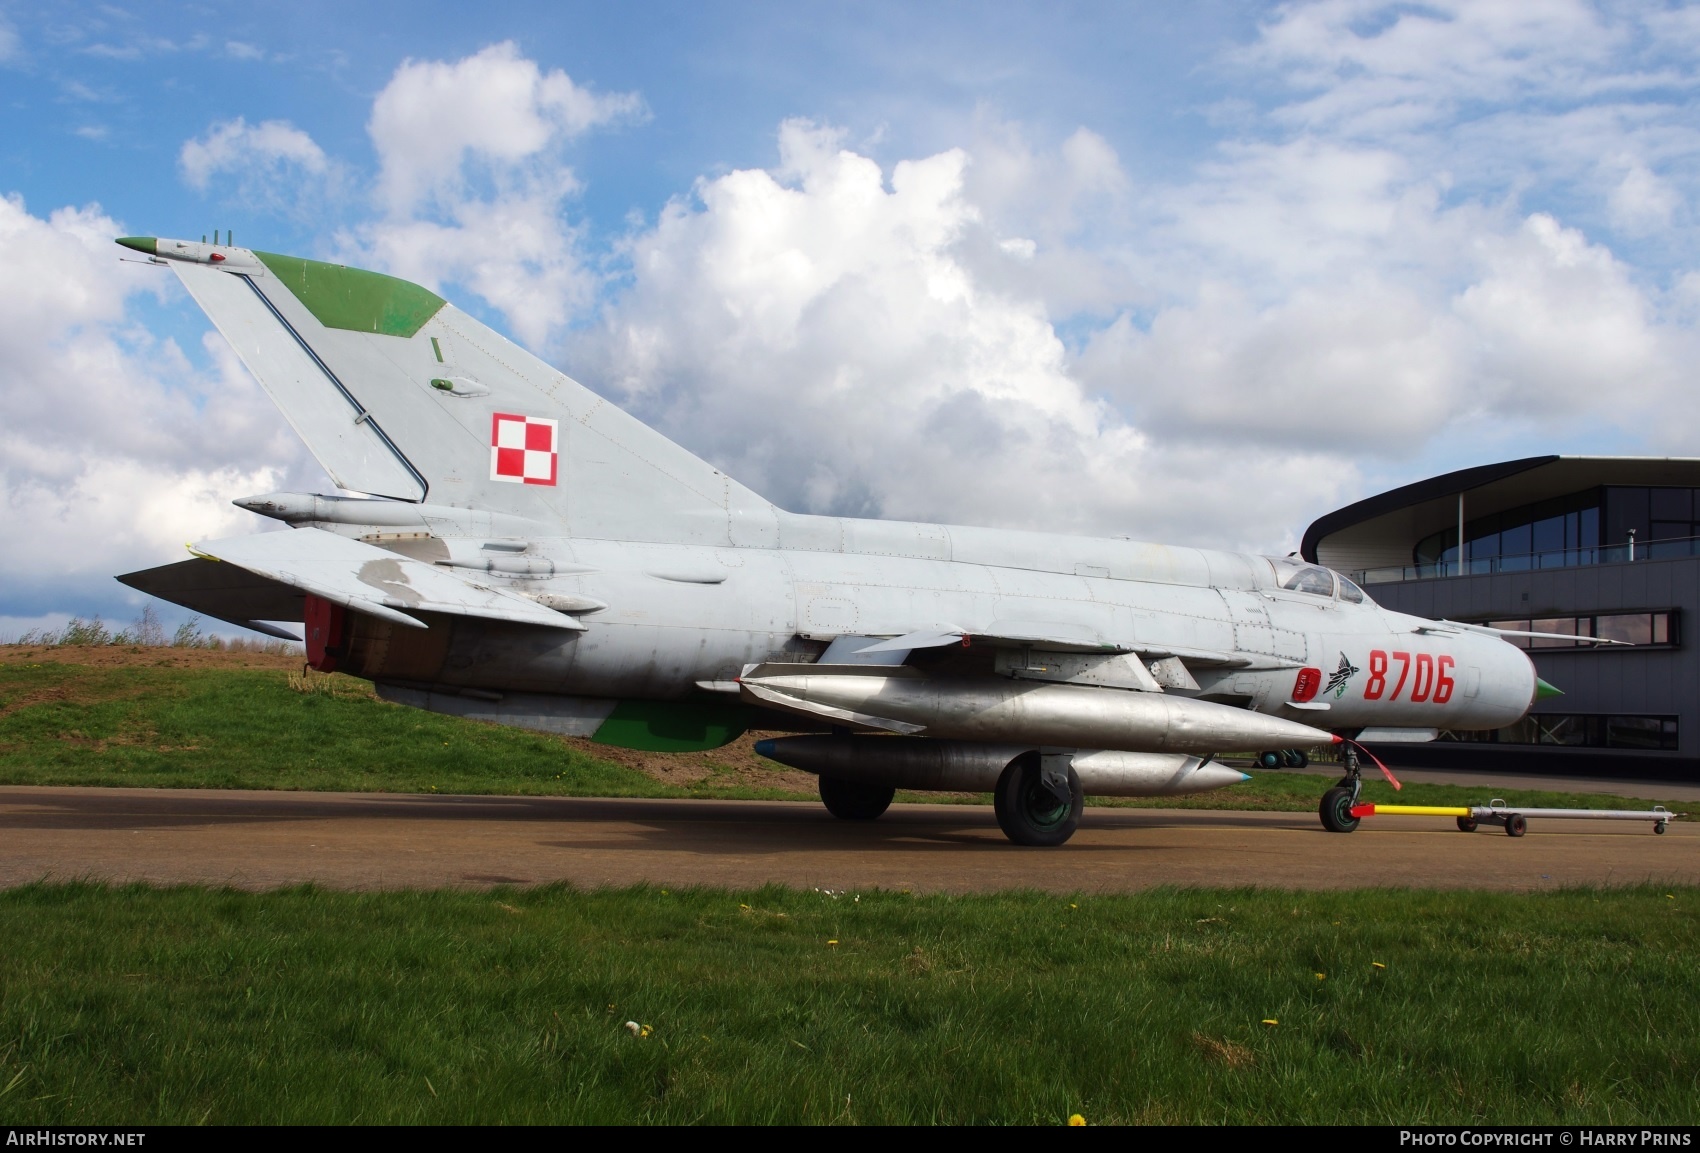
{"x": 1525, "y": 562}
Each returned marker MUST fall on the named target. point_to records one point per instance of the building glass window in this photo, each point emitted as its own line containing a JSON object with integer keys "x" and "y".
{"x": 1589, "y": 527}
{"x": 1651, "y": 628}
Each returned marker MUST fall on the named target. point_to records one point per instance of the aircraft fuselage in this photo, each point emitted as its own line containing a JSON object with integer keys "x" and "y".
{"x": 681, "y": 617}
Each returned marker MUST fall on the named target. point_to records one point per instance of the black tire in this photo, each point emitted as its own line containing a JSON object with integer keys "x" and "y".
{"x": 1515, "y": 825}
{"x": 1344, "y": 783}
{"x": 1659, "y": 827}
{"x": 855, "y": 800}
{"x": 1301, "y": 759}
{"x": 1467, "y": 825}
{"x": 1270, "y": 760}
{"x": 1336, "y": 811}
{"x": 1028, "y": 813}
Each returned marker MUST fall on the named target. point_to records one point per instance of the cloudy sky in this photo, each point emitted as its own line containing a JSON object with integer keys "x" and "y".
{"x": 1194, "y": 273}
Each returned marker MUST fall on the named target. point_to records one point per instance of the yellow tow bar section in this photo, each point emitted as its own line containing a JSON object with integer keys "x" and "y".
{"x": 1411, "y": 810}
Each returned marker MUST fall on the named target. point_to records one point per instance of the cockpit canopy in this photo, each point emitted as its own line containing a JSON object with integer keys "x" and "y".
{"x": 1300, "y": 577}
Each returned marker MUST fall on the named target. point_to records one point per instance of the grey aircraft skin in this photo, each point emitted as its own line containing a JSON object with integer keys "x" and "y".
{"x": 531, "y": 555}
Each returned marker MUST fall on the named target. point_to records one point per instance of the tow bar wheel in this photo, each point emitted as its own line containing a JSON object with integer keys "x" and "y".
{"x": 1336, "y": 810}
{"x": 1467, "y": 825}
{"x": 1515, "y": 825}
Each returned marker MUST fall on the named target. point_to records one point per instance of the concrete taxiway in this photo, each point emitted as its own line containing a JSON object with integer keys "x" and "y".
{"x": 259, "y": 840}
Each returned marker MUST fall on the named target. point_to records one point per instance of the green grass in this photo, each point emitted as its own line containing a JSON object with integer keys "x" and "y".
{"x": 67, "y": 724}
{"x": 136, "y": 1005}
{"x": 247, "y": 729}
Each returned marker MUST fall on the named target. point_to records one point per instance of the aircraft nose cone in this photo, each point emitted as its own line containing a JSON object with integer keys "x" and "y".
{"x": 147, "y": 244}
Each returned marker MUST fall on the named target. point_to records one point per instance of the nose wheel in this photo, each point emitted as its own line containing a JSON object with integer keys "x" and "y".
{"x": 1338, "y": 802}
{"x": 1336, "y": 811}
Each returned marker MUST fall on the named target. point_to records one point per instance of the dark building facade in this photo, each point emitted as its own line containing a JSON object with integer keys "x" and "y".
{"x": 1585, "y": 546}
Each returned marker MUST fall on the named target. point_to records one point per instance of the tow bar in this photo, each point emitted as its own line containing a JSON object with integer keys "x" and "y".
{"x": 1514, "y": 818}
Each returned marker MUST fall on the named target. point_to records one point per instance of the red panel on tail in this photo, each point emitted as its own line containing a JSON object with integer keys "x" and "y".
{"x": 324, "y": 633}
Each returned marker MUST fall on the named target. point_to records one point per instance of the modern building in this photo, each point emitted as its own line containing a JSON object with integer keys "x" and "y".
{"x": 1585, "y": 546}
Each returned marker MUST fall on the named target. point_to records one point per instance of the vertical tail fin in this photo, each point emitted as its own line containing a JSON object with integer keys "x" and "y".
{"x": 399, "y": 393}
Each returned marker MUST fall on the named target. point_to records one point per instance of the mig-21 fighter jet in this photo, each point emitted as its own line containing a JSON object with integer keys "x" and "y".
{"x": 529, "y": 554}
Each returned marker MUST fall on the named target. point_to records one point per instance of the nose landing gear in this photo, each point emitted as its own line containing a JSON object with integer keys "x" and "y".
{"x": 1337, "y": 803}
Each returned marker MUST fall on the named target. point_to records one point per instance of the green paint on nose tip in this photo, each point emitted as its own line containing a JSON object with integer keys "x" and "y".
{"x": 147, "y": 244}
{"x": 1544, "y": 690}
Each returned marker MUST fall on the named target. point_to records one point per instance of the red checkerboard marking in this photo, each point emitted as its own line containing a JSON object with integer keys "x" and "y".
{"x": 523, "y": 449}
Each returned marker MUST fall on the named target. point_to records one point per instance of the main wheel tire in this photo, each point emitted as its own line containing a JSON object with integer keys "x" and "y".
{"x": 1515, "y": 825}
{"x": 1467, "y": 825}
{"x": 1270, "y": 760}
{"x": 1301, "y": 759}
{"x": 854, "y": 800}
{"x": 1028, "y": 812}
{"x": 1336, "y": 811}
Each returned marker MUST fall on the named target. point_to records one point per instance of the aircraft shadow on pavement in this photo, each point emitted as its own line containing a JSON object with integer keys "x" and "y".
{"x": 733, "y": 826}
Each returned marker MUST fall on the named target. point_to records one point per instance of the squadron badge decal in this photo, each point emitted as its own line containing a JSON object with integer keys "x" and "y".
{"x": 1340, "y": 678}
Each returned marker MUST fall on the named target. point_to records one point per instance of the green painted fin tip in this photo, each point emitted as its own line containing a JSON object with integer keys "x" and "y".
{"x": 147, "y": 244}
{"x": 1544, "y": 690}
{"x": 352, "y": 298}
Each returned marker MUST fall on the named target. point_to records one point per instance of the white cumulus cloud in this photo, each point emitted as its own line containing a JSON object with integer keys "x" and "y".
{"x": 473, "y": 183}
{"x": 819, "y": 336}
{"x": 437, "y": 121}
{"x": 116, "y": 449}
{"x": 235, "y": 146}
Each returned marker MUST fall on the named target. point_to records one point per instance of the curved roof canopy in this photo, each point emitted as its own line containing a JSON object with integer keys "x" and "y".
{"x": 1382, "y": 530}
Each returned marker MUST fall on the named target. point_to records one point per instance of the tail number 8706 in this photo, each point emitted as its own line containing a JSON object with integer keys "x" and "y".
{"x": 1432, "y": 681}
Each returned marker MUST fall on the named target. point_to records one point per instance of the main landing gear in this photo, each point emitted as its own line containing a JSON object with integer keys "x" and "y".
{"x": 1038, "y": 799}
{"x": 1337, "y": 803}
{"x": 855, "y": 800}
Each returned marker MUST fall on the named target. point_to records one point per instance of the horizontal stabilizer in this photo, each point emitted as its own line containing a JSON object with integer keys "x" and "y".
{"x": 232, "y": 595}
{"x": 372, "y": 580}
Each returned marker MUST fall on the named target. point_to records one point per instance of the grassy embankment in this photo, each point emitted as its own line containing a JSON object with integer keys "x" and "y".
{"x": 144, "y": 721}
{"x": 187, "y": 1005}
